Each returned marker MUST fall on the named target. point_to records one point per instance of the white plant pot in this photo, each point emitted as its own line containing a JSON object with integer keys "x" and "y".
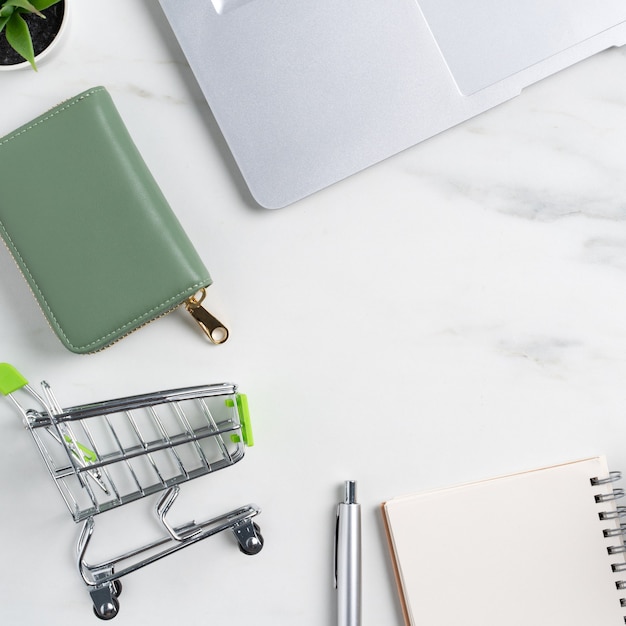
{"x": 47, "y": 52}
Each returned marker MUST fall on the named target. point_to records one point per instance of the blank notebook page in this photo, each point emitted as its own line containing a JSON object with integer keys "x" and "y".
{"x": 521, "y": 550}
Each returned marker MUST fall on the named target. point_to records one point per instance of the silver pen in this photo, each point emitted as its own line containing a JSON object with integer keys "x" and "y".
{"x": 348, "y": 558}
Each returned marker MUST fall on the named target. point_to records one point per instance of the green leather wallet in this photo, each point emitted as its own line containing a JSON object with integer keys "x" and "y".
{"x": 90, "y": 229}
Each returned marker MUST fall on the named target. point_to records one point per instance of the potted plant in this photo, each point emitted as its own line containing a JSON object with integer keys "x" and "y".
{"x": 29, "y": 30}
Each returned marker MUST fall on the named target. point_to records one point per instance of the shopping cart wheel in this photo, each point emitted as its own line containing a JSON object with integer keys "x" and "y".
{"x": 105, "y": 603}
{"x": 108, "y": 610}
{"x": 250, "y": 542}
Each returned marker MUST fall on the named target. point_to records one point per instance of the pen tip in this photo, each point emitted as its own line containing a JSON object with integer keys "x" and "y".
{"x": 350, "y": 494}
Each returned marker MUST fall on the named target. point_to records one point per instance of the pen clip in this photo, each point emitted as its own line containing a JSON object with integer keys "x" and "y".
{"x": 335, "y": 547}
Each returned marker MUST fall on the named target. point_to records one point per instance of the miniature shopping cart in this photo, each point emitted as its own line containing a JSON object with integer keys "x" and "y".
{"x": 107, "y": 454}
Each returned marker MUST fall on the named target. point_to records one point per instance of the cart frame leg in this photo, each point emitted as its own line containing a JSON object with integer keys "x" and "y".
{"x": 103, "y": 578}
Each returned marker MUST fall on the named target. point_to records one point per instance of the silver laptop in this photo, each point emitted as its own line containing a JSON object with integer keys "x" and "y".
{"x": 308, "y": 92}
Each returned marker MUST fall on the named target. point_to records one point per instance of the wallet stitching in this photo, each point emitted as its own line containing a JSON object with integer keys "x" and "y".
{"x": 112, "y": 333}
{"x": 62, "y": 108}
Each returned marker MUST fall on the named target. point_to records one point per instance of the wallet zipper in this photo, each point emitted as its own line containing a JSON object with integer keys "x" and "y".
{"x": 211, "y": 326}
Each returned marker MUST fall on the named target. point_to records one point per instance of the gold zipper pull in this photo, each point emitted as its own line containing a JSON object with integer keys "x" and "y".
{"x": 212, "y": 327}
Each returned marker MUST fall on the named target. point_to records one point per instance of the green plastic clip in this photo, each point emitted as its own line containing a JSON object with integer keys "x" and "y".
{"x": 89, "y": 456}
{"x": 244, "y": 419}
{"x": 244, "y": 416}
{"x": 10, "y": 379}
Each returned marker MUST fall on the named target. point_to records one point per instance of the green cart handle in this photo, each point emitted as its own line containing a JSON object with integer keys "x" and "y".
{"x": 10, "y": 379}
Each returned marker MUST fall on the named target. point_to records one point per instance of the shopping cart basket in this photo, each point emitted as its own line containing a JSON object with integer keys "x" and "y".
{"x": 107, "y": 454}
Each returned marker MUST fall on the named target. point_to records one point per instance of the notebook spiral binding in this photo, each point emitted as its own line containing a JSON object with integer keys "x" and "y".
{"x": 619, "y": 513}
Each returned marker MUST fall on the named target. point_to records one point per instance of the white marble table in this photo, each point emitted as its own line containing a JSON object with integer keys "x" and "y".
{"x": 453, "y": 313}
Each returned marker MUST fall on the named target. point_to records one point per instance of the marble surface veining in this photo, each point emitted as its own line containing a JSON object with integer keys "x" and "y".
{"x": 453, "y": 313}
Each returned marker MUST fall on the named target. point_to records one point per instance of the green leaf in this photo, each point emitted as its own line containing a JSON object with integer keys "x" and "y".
{"x": 18, "y": 37}
{"x": 42, "y": 5}
{"x": 3, "y": 21}
{"x": 24, "y": 4}
{"x": 6, "y": 11}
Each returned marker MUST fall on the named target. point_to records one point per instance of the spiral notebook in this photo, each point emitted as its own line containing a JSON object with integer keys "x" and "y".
{"x": 540, "y": 548}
